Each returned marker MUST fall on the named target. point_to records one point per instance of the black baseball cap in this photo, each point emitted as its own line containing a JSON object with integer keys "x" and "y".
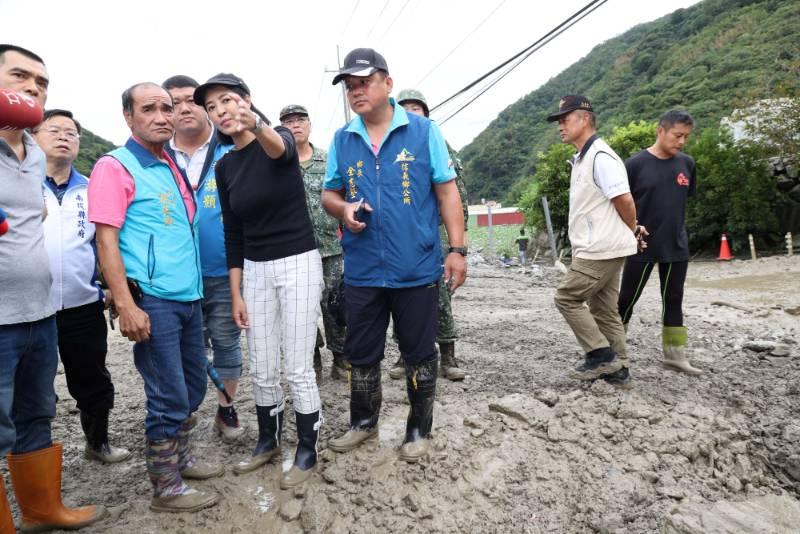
{"x": 361, "y": 62}
{"x": 568, "y": 104}
{"x": 223, "y": 78}
{"x": 292, "y": 109}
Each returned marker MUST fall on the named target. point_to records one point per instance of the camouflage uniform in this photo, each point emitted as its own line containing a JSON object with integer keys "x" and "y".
{"x": 447, "y": 326}
{"x": 325, "y": 231}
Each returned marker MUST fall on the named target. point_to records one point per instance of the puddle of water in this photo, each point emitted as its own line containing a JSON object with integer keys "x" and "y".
{"x": 762, "y": 282}
{"x": 264, "y": 499}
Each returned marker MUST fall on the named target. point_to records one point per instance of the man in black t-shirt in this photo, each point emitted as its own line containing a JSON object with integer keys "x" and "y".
{"x": 662, "y": 178}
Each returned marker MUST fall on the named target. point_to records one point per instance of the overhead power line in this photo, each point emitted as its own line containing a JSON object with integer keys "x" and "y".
{"x": 349, "y": 20}
{"x": 569, "y": 21}
{"x": 395, "y": 19}
{"x": 375, "y": 25}
{"x": 538, "y": 45}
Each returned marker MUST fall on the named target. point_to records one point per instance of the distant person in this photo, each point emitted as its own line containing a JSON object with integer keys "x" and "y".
{"x": 312, "y": 162}
{"x": 269, "y": 242}
{"x": 602, "y": 232}
{"x": 75, "y": 293}
{"x": 522, "y": 243}
{"x": 28, "y": 339}
{"x": 388, "y": 179}
{"x": 147, "y": 239}
{"x": 196, "y": 149}
{"x": 662, "y": 178}
{"x": 414, "y": 101}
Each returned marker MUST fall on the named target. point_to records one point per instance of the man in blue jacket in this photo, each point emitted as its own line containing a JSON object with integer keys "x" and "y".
{"x": 75, "y": 293}
{"x": 388, "y": 178}
{"x": 196, "y": 148}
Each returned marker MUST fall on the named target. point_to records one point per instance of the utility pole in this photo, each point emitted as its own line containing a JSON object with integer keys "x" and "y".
{"x": 489, "y": 230}
{"x": 344, "y": 91}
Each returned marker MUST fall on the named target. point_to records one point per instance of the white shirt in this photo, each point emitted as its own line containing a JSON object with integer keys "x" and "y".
{"x": 193, "y": 165}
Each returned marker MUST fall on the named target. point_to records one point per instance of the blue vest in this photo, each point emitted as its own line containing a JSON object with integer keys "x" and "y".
{"x": 159, "y": 245}
{"x": 400, "y": 245}
{"x": 212, "y": 234}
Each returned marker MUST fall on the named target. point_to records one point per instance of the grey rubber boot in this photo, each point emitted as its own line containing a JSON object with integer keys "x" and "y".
{"x": 189, "y": 466}
{"x": 305, "y": 457}
{"x": 340, "y": 366}
{"x": 270, "y": 428}
{"x": 449, "y": 366}
{"x": 170, "y": 493}
{"x": 398, "y": 370}
{"x": 95, "y": 428}
{"x": 421, "y": 388}
{"x": 365, "y": 407}
{"x": 674, "y": 339}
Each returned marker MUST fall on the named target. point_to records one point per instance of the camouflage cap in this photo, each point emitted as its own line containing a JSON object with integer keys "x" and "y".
{"x": 293, "y": 109}
{"x": 414, "y": 95}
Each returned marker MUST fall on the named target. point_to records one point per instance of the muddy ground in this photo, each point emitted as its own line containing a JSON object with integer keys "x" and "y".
{"x": 518, "y": 446}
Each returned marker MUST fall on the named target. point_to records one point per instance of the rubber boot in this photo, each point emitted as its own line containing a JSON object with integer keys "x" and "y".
{"x": 318, "y": 365}
{"x": 270, "y": 427}
{"x": 226, "y": 422}
{"x": 305, "y": 457}
{"x": 340, "y": 366}
{"x": 398, "y": 370}
{"x": 188, "y": 465}
{"x": 449, "y": 366}
{"x": 421, "y": 387}
{"x": 170, "y": 492}
{"x": 365, "y": 407}
{"x": 674, "y": 340}
{"x": 6, "y": 521}
{"x": 95, "y": 428}
{"x": 36, "y": 477}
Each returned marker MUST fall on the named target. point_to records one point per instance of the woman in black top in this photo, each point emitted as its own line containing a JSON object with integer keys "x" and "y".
{"x": 269, "y": 241}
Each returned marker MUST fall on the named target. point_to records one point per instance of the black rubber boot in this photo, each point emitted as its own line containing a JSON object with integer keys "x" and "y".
{"x": 421, "y": 387}
{"x": 305, "y": 457}
{"x": 270, "y": 427}
{"x": 365, "y": 407}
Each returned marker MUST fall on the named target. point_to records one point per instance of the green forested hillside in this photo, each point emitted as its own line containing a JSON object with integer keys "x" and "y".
{"x": 92, "y": 147}
{"x": 708, "y": 59}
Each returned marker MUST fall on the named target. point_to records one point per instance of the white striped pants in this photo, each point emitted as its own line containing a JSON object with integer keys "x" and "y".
{"x": 282, "y": 298}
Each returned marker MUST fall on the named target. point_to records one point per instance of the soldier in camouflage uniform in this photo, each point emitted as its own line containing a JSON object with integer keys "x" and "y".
{"x": 414, "y": 101}
{"x": 312, "y": 162}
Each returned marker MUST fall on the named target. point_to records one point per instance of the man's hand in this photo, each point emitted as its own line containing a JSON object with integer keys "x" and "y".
{"x": 134, "y": 323}
{"x": 240, "y": 313}
{"x": 455, "y": 270}
{"x": 351, "y": 212}
{"x": 640, "y": 233}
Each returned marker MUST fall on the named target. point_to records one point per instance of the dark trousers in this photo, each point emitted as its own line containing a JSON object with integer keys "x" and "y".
{"x": 414, "y": 312}
{"x": 82, "y": 346}
{"x": 672, "y": 277}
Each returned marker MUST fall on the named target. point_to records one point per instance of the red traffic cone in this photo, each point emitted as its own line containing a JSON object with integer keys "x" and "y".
{"x": 724, "y": 250}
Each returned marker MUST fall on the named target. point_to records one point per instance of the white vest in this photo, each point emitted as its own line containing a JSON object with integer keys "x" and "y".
{"x": 596, "y": 231}
{"x": 69, "y": 238}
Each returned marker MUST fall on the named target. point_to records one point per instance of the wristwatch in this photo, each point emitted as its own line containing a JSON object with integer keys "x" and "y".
{"x": 458, "y": 250}
{"x": 259, "y": 124}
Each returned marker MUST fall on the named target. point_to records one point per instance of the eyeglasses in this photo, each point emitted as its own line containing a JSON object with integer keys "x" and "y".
{"x": 292, "y": 120}
{"x": 68, "y": 133}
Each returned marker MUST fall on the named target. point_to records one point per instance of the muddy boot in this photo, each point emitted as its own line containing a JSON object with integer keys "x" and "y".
{"x": 318, "y": 365}
{"x": 188, "y": 465}
{"x": 226, "y": 422}
{"x": 270, "y": 427}
{"x": 449, "y": 366}
{"x": 97, "y": 447}
{"x": 6, "y": 521}
{"x": 620, "y": 379}
{"x": 365, "y": 408}
{"x": 598, "y": 362}
{"x": 305, "y": 458}
{"x": 421, "y": 388}
{"x": 340, "y": 366}
{"x": 170, "y": 492}
{"x": 674, "y": 344}
{"x": 398, "y": 370}
{"x": 36, "y": 477}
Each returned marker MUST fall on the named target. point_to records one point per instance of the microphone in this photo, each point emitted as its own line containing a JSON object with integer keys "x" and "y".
{"x": 18, "y": 110}
{"x": 3, "y": 222}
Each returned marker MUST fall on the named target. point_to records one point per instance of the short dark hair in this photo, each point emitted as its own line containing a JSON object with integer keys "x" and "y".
{"x": 127, "y": 95}
{"x": 673, "y": 117}
{"x": 179, "y": 80}
{"x": 50, "y": 113}
{"x": 14, "y": 48}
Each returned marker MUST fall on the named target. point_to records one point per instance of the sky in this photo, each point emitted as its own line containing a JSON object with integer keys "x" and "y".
{"x": 284, "y": 50}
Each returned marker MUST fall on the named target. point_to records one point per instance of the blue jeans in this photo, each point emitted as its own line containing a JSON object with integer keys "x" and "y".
{"x": 28, "y": 362}
{"x": 172, "y": 364}
{"x": 224, "y": 333}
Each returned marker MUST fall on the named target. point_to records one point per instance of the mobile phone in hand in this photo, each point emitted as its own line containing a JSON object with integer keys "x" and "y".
{"x": 357, "y": 212}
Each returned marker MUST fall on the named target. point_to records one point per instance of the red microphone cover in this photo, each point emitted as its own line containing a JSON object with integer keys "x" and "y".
{"x": 18, "y": 110}
{"x": 3, "y": 222}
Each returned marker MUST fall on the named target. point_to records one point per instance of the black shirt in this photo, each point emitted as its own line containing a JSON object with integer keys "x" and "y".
{"x": 660, "y": 188}
{"x": 263, "y": 204}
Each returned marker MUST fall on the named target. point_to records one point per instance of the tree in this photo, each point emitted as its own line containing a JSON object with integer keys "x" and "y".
{"x": 636, "y": 136}
{"x": 551, "y": 180}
